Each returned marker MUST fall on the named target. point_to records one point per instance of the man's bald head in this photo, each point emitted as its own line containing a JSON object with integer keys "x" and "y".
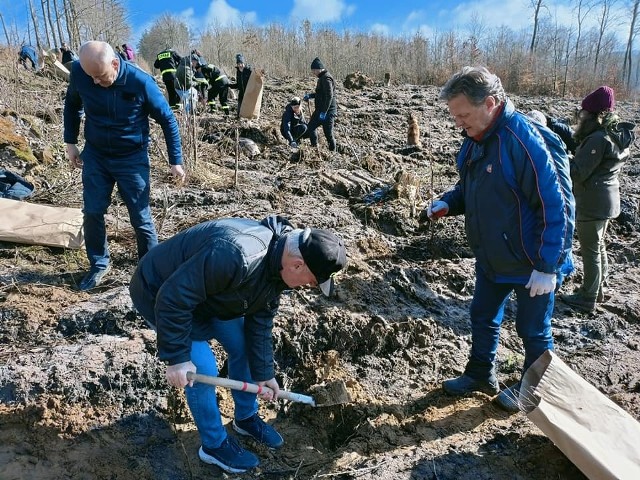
{"x": 100, "y": 62}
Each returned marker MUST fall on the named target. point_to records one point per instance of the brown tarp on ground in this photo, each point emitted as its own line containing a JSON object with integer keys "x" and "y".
{"x": 33, "y": 224}
{"x": 252, "y": 99}
{"x": 598, "y": 436}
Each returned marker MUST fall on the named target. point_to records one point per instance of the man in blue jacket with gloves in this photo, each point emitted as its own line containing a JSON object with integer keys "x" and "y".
{"x": 117, "y": 99}
{"x": 515, "y": 193}
{"x": 222, "y": 280}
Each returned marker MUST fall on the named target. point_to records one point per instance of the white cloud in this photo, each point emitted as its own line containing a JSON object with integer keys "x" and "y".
{"x": 221, "y": 13}
{"x": 380, "y": 29}
{"x": 321, "y": 11}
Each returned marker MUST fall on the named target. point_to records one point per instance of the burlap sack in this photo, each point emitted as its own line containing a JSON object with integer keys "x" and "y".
{"x": 33, "y": 224}
{"x": 598, "y": 436}
{"x": 252, "y": 99}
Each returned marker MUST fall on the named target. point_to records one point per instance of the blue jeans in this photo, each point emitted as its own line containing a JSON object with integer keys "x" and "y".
{"x": 98, "y": 178}
{"x": 201, "y": 398}
{"x": 533, "y": 324}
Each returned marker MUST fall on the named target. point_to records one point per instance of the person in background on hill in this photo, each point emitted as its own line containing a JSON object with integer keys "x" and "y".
{"x": 167, "y": 62}
{"x": 243, "y": 72}
{"x": 603, "y": 147}
{"x": 28, "y": 54}
{"x": 326, "y": 107}
{"x": 293, "y": 126}
{"x": 68, "y": 55}
{"x": 515, "y": 192}
{"x": 198, "y": 54}
{"x": 186, "y": 85}
{"x": 117, "y": 99}
{"x": 128, "y": 52}
{"x": 564, "y": 131}
{"x": 217, "y": 84}
{"x": 120, "y": 53}
{"x": 222, "y": 280}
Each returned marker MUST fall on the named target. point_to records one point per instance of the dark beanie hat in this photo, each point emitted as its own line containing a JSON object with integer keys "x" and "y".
{"x": 239, "y": 58}
{"x": 601, "y": 99}
{"x": 317, "y": 64}
{"x": 324, "y": 253}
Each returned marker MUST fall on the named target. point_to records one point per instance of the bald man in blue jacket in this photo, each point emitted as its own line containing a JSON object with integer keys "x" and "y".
{"x": 117, "y": 99}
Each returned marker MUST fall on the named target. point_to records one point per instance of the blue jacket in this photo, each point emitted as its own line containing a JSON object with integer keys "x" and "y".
{"x": 221, "y": 269}
{"x": 117, "y": 117}
{"x": 515, "y": 192}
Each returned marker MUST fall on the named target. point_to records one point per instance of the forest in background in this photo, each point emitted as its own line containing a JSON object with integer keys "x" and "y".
{"x": 547, "y": 58}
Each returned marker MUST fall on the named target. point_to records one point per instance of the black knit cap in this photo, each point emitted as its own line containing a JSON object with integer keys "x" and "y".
{"x": 324, "y": 253}
{"x": 239, "y": 58}
{"x": 317, "y": 64}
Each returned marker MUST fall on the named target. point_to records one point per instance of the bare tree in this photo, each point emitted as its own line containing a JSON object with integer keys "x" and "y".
{"x": 633, "y": 31}
{"x": 536, "y": 5}
{"x": 582, "y": 9}
{"x": 605, "y": 19}
{"x": 166, "y": 32}
{"x": 34, "y": 20}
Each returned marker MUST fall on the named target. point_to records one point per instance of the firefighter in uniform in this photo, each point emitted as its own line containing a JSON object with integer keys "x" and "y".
{"x": 167, "y": 62}
{"x": 218, "y": 84}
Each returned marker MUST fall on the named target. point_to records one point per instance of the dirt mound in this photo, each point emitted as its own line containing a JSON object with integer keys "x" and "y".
{"x": 82, "y": 394}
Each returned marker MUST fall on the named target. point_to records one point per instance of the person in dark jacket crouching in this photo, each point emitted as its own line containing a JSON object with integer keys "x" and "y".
{"x": 222, "y": 280}
{"x": 293, "y": 126}
{"x": 515, "y": 192}
{"x": 117, "y": 98}
{"x": 326, "y": 105}
{"x": 603, "y": 148}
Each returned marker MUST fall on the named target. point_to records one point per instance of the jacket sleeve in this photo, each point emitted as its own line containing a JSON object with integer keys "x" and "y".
{"x": 210, "y": 271}
{"x": 539, "y": 184}
{"x": 259, "y": 343}
{"x": 159, "y": 110}
{"x": 72, "y": 111}
{"x": 323, "y": 102}
{"x": 587, "y": 158}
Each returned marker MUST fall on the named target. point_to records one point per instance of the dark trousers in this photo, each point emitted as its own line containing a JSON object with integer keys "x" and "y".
{"x": 327, "y": 127}
{"x": 301, "y": 131}
{"x": 98, "y": 179}
{"x": 533, "y": 323}
{"x": 169, "y": 80}
{"x": 222, "y": 92}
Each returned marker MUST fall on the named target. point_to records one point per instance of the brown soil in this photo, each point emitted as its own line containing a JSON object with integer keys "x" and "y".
{"x": 84, "y": 397}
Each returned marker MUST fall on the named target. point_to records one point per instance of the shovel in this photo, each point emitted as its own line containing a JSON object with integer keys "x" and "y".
{"x": 334, "y": 393}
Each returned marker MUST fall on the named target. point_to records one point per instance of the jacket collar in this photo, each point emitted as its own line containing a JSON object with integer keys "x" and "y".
{"x": 121, "y": 79}
{"x": 505, "y": 112}
{"x": 276, "y": 250}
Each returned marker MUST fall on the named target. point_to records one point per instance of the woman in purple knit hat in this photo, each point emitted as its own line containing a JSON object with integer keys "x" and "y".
{"x": 603, "y": 147}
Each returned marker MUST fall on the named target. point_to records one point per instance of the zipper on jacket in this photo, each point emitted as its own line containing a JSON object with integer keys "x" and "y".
{"x": 509, "y": 246}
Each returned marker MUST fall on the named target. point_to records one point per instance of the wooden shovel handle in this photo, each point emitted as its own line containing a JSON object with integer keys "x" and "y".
{"x": 248, "y": 387}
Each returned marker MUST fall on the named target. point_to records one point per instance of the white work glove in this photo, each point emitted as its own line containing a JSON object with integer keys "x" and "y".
{"x": 541, "y": 283}
{"x": 436, "y": 210}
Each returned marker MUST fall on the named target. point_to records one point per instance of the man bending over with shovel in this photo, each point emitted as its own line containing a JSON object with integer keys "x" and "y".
{"x": 222, "y": 280}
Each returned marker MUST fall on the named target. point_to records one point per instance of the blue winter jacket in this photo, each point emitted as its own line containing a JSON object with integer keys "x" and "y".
{"x": 515, "y": 192}
{"x": 117, "y": 117}
{"x": 220, "y": 269}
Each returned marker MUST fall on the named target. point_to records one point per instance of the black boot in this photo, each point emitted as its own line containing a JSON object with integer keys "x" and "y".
{"x": 464, "y": 385}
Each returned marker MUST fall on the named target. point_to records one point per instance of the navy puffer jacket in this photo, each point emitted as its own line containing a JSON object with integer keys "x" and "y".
{"x": 515, "y": 192}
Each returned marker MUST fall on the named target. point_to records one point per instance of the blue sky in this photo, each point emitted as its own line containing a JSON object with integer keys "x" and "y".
{"x": 382, "y": 16}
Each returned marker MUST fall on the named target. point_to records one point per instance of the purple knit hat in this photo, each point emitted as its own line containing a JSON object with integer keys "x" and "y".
{"x": 601, "y": 99}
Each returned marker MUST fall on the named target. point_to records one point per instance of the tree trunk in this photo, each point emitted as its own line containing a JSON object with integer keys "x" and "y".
{"x": 58, "y": 22}
{"x": 626, "y": 68}
{"x": 4, "y": 27}
{"x": 56, "y": 41}
{"x": 47, "y": 38}
{"x": 34, "y": 20}
{"x": 536, "y": 21}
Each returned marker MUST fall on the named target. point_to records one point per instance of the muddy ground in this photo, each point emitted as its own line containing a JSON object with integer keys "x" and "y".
{"x": 82, "y": 395}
